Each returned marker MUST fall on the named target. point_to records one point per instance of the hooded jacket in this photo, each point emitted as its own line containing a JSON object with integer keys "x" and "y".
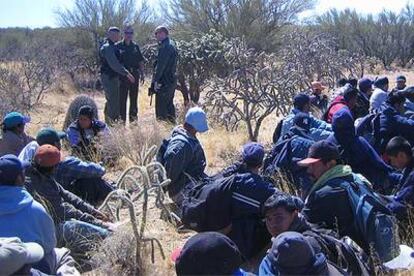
{"x": 377, "y": 100}
{"x": 184, "y": 159}
{"x": 359, "y": 154}
{"x": 319, "y": 129}
{"x": 25, "y": 218}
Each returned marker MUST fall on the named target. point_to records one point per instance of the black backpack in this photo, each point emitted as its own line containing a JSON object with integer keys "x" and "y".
{"x": 343, "y": 252}
{"x": 278, "y": 157}
{"x": 207, "y": 206}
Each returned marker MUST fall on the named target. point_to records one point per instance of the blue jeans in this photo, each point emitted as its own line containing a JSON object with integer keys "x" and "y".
{"x": 81, "y": 237}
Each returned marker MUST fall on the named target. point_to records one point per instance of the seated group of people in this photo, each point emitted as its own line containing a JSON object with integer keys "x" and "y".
{"x": 49, "y": 199}
{"x": 351, "y": 192}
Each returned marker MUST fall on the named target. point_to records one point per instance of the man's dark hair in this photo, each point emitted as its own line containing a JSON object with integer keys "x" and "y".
{"x": 342, "y": 81}
{"x": 395, "y": 98}
{"x": 350, "y": 93}
{"x": 280, "y": 199}
{"x": 44, "y": 170}
{"x": 398, "y": 144}
{"x": 353, "y": 82}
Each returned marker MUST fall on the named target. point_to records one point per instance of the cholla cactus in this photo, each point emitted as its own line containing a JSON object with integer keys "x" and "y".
{"x": 75, "y": 105}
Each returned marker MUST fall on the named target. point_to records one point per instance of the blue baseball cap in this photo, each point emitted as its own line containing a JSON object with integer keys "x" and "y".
{"x": 14, "y": 119}
{"x": 365, "y": 84}
{"x": 196, "y": 117}
{"x": 253, "y": 153}
{"x": 10, "y": 168}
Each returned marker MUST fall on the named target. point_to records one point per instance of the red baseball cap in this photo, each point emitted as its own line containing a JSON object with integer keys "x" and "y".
{"x": 47, "y": 156}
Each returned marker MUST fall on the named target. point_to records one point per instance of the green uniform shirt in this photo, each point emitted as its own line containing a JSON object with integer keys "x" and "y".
{"x": 110, "y": 63}
{"x": 130, "y": 55}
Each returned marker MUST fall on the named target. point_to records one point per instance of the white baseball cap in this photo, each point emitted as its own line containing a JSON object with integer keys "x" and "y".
{"x": 14, "y": 254}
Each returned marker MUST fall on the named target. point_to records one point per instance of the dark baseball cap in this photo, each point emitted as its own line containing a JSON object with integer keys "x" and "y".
{"x": 49, "y": 136}
{"x": 253, "y": 153}
{"x": 87, "y": 111}
{"x": 292, "y": 254}
{"x": 381, "y": 81}
{"x": 321, "y": 150}
{"x": 401, "y": 78}
{"x": 208, "y": 253}
{"x": 300, "y": 100}
{"x": 10, "y": 168}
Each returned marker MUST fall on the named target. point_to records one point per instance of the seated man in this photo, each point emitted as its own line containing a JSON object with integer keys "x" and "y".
{"x": 343, "y": 201}
{"x": 379, "y": 95}
{"x": 208, "y": 253}
{"x": 400, "y": 153}
{"x": 401, "y": 83}
{"x": 81, "y": 178}
{"x": 232, "y": 205}
{"x": 75, "y": 220}
{"x": 361, "y": 108}
{"x": 293, "y": 147}
{"x": 182, "y": 155}
{"x": 23, "y": 217}
{"x": 292, "y": 254}
{"x": 348, "y": 101}
{"x": 359, "y": 154}
{"x": 83, "y": 132}
{"x": 319, "y": 100}
{"x": 14, "y": 138}
{"x": 393, "y": 123}
{"x": 282, "y": 214}
{"x": 319, "y": 129}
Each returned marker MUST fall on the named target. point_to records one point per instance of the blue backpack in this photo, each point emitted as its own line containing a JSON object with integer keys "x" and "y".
{"x": 373, "y": 220}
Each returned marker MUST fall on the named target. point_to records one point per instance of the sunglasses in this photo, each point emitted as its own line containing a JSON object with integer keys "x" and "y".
{"x": 128, "y": 33}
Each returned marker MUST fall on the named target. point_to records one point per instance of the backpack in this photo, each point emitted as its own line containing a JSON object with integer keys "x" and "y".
{"x": 373, "y": 220}
{"x": 279, "y": 156}
{"x": 278, "y": 131}
{"x": 207, "y": 206}
{"x": 159, "y": 157}
{"x": 343, "y": 252}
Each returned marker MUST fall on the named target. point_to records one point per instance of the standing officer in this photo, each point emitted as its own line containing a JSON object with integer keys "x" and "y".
{"x": 133, "y": 61}
{"x": 111, "y": 69}
{"x": 164, "y": 80}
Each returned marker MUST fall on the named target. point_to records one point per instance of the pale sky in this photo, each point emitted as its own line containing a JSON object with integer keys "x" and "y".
{"x": 40, "y": 13}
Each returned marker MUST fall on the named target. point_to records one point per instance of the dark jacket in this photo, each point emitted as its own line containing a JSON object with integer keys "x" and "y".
{"x": 249, "y": 192}
{"x": 183, "y": 159}
{"x": 286, "y": 158}
{"x": 360, "y": 155}
{"x": 63, "y": 204}
{"x": 320, "y": 101}
{"x": 166, "y": 65}
{"x": 404, "y": 193}
{"x": 110, "y": 64}
{"x": 130, "y": 55}
{"x": 392, "y": 124}
{"x": 328, "y": 204}
{"x": 361, "y": 108}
